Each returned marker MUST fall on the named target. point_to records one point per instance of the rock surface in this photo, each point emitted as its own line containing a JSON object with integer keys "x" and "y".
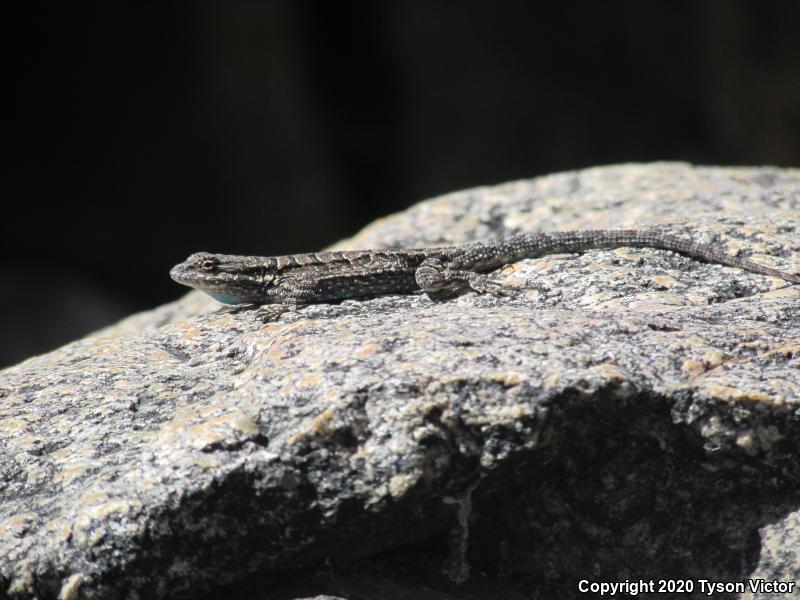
{"x": 628, "y": 414}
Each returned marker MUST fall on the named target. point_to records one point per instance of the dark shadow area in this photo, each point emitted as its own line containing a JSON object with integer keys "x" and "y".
{"x": 140, "y": 134}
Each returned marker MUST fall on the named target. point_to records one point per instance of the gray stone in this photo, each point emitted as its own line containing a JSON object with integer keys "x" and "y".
{"x": 629, "y": 414}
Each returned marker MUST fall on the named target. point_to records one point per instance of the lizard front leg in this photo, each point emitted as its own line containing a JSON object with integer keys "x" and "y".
{"x": 267, "y": 313}
{"x": 292, "y": 293}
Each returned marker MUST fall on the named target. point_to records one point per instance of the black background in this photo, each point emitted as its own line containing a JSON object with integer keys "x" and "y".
{"x": 138, "y": 134}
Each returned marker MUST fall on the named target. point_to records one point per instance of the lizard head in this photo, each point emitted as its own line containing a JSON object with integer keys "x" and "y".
{"x": 227, "y": 278}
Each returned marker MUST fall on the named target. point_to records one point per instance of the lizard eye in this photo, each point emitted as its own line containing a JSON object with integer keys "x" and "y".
{"x": 209, "y": 263}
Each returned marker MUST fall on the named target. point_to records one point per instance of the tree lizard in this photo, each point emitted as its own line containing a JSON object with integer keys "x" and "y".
{"x": 285, "y": 282}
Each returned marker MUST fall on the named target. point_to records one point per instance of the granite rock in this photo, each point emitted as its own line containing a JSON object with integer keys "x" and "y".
{"x": 628, "y": 414}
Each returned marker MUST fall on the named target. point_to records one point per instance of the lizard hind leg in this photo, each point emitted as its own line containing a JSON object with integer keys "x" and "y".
{"x": 437, "y": 280}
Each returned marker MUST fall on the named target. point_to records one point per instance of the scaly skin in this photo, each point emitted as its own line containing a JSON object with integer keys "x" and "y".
{"x": 331, "y": 276}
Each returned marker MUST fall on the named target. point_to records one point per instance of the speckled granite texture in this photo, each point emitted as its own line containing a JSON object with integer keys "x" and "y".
{"x": 628, "y": 414}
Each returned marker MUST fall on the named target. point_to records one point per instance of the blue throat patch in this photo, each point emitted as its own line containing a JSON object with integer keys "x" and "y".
{"x": 226, "y": 298}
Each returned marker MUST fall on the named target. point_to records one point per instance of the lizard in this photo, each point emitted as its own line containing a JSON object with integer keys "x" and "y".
{"x": 282, "y": 283}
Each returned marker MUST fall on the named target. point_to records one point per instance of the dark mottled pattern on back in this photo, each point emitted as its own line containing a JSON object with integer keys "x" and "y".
{"x": 329, "y": 276}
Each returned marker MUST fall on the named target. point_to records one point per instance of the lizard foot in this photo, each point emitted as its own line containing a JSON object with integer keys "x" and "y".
{"x": 484, "y": 284}
{"x": 272, "y": 312}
